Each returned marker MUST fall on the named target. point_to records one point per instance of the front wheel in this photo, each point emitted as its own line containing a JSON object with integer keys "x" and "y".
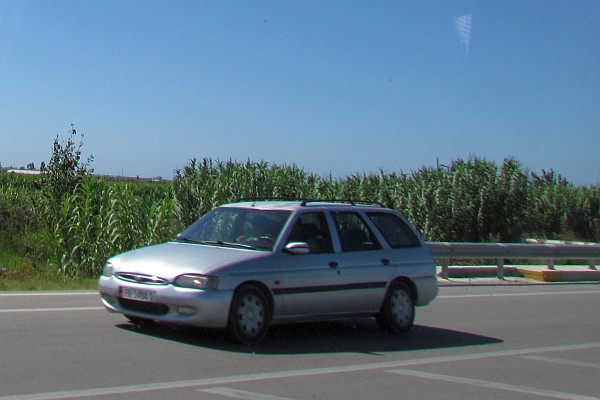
{"x": 398, "y": 310}
{"x": 249, "y": 315}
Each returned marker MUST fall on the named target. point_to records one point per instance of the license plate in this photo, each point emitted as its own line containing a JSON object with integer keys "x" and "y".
{"x": 136, "y": 294}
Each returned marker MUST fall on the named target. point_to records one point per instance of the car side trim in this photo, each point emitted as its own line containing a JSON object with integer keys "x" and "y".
{"x": 329, "y": 288}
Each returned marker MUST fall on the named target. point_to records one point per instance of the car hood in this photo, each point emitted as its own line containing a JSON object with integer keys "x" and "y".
{"x": 168, "y": 260}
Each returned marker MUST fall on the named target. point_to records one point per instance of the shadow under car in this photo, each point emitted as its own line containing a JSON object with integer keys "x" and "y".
{"x": 355, "y": 336}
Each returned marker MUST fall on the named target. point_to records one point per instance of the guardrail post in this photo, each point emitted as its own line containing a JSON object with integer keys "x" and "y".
{"x": 500, "y": 270}
{"x": 551, "y": 263}
{"x": 444, "y": 262}
{"x": 592, "y": 264}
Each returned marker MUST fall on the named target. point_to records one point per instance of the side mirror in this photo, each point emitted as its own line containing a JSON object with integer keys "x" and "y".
{"x": 297, "y": 248}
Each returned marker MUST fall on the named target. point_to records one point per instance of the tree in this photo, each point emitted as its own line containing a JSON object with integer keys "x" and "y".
{"x": 65, "y": 169}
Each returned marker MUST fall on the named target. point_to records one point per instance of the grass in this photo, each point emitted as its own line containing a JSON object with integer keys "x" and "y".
{"x": 17, "y": 273}
{"x": 41, "y": 283}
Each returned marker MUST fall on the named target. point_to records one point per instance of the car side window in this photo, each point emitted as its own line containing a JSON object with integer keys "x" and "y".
{"x": 354, "y": 233}
{"x": 312, "y": 228}
{"x": 394, "y": 230}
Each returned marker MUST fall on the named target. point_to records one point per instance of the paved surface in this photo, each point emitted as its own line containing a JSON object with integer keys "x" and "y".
{"x": 483, "y": 341}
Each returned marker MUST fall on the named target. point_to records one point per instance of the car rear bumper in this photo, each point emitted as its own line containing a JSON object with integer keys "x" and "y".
{"x": 427, "y": 289}
{"x": 209, "y": 309}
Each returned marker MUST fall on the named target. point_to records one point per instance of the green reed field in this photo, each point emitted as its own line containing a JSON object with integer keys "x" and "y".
{"x": 57, "y": 229}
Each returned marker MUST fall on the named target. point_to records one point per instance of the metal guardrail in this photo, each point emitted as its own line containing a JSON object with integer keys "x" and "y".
{"x": 445, "y": 251}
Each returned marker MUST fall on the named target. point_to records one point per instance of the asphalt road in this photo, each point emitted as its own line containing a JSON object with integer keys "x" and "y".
{"x": 475, "y": 342}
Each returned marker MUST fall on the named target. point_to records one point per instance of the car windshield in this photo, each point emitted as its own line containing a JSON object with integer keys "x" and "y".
{"x": 237, "y": 227}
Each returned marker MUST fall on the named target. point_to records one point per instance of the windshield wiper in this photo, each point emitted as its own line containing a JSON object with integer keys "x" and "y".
{"x": 228, "y": 244}
{"x": 215, "y": 243}
{"x": 186, "y": 239}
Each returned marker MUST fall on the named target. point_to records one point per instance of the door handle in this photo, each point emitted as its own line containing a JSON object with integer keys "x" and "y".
{"x": 385, "y": 261}
{"x": 333, "y": 264}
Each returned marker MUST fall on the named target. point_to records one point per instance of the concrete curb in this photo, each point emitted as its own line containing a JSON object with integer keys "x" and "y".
{"x": 541, "y": 273}
{"x": 480, "y": 271}
{"x": 554, "y": 275}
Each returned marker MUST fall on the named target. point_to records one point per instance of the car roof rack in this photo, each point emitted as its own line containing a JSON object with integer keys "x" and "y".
{"x": 305, "y": 202}
{"x": 344, "y": 201}
{"x": 248, "y": 199}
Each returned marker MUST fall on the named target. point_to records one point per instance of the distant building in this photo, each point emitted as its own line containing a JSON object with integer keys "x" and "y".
{"x": 24, "y": 171}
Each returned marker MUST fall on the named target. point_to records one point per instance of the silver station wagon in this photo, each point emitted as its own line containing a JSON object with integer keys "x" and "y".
{"x": 245, "y": 266}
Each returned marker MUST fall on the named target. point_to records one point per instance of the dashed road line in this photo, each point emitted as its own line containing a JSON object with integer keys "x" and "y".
{"x": 565, "y": 362}
{"x": 491, "y": 385}
{"x": 242, "y": 394}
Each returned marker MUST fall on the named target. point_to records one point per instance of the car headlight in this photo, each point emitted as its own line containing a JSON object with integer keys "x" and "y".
{"x": 195, "y": 281}
{"x": 108, "y": 269}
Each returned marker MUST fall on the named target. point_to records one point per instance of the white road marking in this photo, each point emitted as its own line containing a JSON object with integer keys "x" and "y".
{"x": 53, "y": 309}
{"x": 229, "y": 380}
{"x": 492, "y": 385}
{"x": 563, "y": 361}
{"x": 242, "y": 394}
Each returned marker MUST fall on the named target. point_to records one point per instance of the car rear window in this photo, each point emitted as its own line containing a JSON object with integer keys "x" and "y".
{"x": 394, "y": 230}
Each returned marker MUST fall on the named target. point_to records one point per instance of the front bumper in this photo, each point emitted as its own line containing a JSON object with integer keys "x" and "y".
{"x": 204, "y": 308}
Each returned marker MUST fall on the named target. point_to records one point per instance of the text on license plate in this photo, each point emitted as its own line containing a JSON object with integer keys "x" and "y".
{"x": 136, "y": 294}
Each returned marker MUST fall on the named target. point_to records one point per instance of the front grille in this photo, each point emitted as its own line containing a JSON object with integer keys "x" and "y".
{"x": 144, "y": 306}
{"x": 141, "y": 278}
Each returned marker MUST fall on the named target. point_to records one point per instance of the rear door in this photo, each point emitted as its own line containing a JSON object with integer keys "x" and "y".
{"x": 363, "y": 264}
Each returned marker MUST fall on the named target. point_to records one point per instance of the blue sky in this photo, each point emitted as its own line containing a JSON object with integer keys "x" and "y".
{"x": 338, "y": 87}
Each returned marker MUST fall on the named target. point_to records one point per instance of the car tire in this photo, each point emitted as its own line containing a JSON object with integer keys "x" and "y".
{"x": 249, "y": 315}
{"x": 398, "y": 310}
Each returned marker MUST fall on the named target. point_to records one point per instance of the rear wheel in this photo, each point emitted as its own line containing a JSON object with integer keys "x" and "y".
{"x": 249, "y": 315}
{"x": 398, "y": 311}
